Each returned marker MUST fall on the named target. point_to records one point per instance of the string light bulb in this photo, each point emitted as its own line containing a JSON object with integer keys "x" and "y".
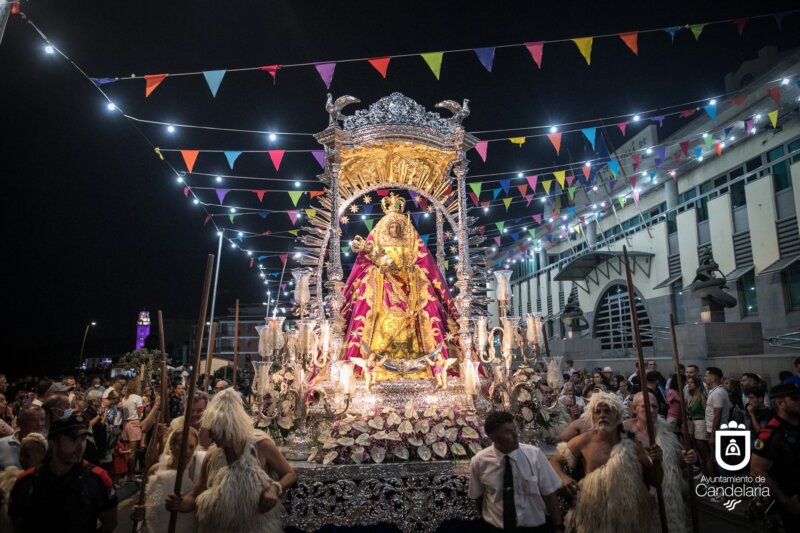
{"x": 219, "y": 179}
{"x": 713, "y": 101}
{"x": 49, "y": 49}
{"x": 272, "y": 137}
{"x": 110, "y": 106}
{"x": 195, "y": 201}
{"x": 553, "y": 129}
{"x": 636, "y": 118}
{"x": 170, "y": 129}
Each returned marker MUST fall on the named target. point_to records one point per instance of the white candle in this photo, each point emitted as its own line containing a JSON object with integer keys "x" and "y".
{"x": 483, "y": 333}
{"x": 325, "y": 335}
{"x": 503, "y": 278}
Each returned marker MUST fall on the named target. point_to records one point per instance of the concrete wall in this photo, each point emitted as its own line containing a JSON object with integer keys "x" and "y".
{"x": 762, "y": 216}
{"x": 687, "y": 239}
{"x": 720, "y": 221}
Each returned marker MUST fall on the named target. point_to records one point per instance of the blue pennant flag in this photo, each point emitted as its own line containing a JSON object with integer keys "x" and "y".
{"x": 515, "y": 236}
{"x": 232, "y": 155}
{"x": 712, "y": 111}
{"x": 425, "y": 238}
{"x": 672, "y": 31}
{"x": 486, "y": 57}
{"x": 505, "y": 184}
{"x": 590, "y": 135}
{"x": 214, "y": 78}
{"x": 495, "y": 193}
{"x": 368, "y": 208}
{"x": 263, "y": 214}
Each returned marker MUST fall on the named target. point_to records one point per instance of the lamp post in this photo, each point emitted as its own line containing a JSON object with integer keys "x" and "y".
{"x": 83, "y": 344}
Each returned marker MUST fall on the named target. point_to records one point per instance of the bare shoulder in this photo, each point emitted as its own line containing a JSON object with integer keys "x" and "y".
{"x": 579, "y": 442}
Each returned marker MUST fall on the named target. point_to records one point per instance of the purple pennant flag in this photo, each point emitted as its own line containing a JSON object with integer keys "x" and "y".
{"x": 263, "y": 214}
{"x": 486, "y": 57}
{"x": 326, "y": 72}
{"x": 415, "y": 217}
{"x": 659, "y": 119}
{"x": 319, "y": 155}
{"x": 661, "y": 153}
{"x": 414, "y": 198}
{"x": 103, "y": 81}
{"x": 368, "y": 208}
{"x": 221, "y": 194}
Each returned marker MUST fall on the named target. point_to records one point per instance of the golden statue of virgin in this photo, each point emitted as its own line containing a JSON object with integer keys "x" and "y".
{"x": 398, "y": 306}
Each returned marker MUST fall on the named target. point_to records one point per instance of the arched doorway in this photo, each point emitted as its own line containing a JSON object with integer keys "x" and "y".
{"x": 612, "y": 320}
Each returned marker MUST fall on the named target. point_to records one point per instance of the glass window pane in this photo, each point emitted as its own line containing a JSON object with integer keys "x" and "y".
{"x": 747, "y": 286}
{"x": 677, "y": 303}
{"x": 780, "y": 172}
{"x": 793, "y": 146}
{"x": 793, "y": 284}
{"x": 752, "y": 164}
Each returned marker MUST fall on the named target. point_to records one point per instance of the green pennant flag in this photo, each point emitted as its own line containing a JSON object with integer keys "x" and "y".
{"x": 231, "y": 216}
{"x": 709, "y": 140}
{"x": 295, "y": 196}
{"x": 434, "y": 61}
{"x": 500, "y": 226}
{"x": 345, "y": 249}
{"x": 697, "y": 29}
{"x": 476, "y": 188}
{"x": 532, "y": 233}
{"x": 369, "y": 222}
{"x": 507, "y": 202}
{"x": 571, "y": 192}
{"x": 622, "y": 200}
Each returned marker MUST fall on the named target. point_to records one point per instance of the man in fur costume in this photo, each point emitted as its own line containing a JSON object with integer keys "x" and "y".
{"x": 613, "y": 496}
{"x": 673, "y": 457}
{"x": 237, "y": 489}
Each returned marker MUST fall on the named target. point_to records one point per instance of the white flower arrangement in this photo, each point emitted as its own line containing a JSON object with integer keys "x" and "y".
{"x": 276, "y": 412}
{"x": 387, "y": 435}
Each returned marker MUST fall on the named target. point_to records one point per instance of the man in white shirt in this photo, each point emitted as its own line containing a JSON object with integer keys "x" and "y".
{"x": 718, "y": 405}
{"x": 118, "y": 384}
{"x": 513, "y": 484}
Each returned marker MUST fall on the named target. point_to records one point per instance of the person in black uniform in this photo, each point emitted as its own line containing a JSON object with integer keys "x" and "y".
{"x": 775, "y": 452}
{"x": 65, "y": 493}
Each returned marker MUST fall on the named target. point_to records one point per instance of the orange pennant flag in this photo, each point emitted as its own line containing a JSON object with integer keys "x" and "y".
{"x": 584, "y": 44}
{"x": 189, "y": 157}
{"x": 381, "y": 64}
{"x": 151, "y": 82}
{"x": 555, "y": 138}
{"x": 560, "y": 176}
{"x": 523, "y": 189}
{"x": 314, "y": 194}
{"x": 632, "y": 40}
{"x": 546, "y": 185}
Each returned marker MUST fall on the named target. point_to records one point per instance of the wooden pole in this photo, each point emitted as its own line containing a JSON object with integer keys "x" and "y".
{"x": 651, "y": 434}
{"x": 154, "y": 434}
{"x": 235, "y": 344}
{"x": 201, "y": 323}
{"x": 212, "y": 336}
{"x": 164, "y": 418}
{"x": 687, "y": 445}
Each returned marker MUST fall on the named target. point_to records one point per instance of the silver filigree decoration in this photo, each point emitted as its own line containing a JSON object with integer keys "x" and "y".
{"x": 398, "y": 109}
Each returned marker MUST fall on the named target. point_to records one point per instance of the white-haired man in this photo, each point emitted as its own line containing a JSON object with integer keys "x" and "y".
{"x": 237, "y": 489}
{"x": 613, "y": 495}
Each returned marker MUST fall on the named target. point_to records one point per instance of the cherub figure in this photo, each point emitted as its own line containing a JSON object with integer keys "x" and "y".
{"x": 368, "y": 366}
{"x": 439, "y": 366}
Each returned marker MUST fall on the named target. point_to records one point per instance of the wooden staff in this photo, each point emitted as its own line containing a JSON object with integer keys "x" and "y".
{"x": 235, "y": 344}
{"x": 154, "y": 433}
{"x": 651, "y": 433}
{"x": 684, "y": 425}
{"x": 164, "y": 418}
{"x": 173, "y": 516}
{"x": 210, "y": 357}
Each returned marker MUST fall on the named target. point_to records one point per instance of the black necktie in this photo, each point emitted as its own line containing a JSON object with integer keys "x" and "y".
{"x": 509, "y": 509}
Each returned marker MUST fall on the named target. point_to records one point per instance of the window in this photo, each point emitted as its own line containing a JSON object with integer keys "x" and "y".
{"x": 702, "y": 205}
{"x": 738, "y": 198}
{"x": 793, "y": 285}
{"x": 794, "y": 146}
{"x": 677, "y": 303}
{"x": 719, "y": 182}
{"x": 672, "y": 222}
{"x": 752, "y": 164}
{"x": 780, "y": 171}
{"x": 747, "y": 294}
{"x": 612, "y": 321}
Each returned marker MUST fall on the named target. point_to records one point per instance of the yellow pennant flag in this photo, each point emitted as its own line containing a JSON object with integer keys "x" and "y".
{"x": 578, "y": 228}
{"x": 773, "y": 117}
{"x": 158, "y": 152}
{"x": 434, "y": 61}
{"x": 311, "y": 213}
{"x": 293, "y": 232}
{"x": 517, "y": 140}
{"x": 584, "y": 44}
{"x": 507, "y": 202}
{"x": 560, "y": 176}
{"x": 546, "y": 184}
{"x": 446, "y": 264}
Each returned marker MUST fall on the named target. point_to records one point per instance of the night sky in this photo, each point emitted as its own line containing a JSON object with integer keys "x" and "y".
{"x": 96, "y": 227}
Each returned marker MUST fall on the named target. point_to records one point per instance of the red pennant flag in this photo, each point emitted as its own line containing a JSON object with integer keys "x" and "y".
{"x": 151, "y": 81}
{"x": 718, "y": 149}
{"x": 555, "y": 138}
{"x": 686, "y": 113}
{"x": 252, "y": 260}
{"x": 260, "y": 194}
{"x": 622, "y": 126}
{"x": 481, "y": 147}
{"x": 208, "y": 218}
{"x": 522, "y": 190}
{"x": 284, "y": 257}
{"x": 474, "y": 198}
{"x": 587, "y": 171}
{"x": 775, "y": 94}
{"x": 273, "y": 71}
{"x": 186, "y": 192}
{"x": 381, "y": 64}
{"x": 685, "y": 148}
{"x": 637, "y": 161}
{"x": 676, "y": 156}
{"x": 740, "y": 25}
{"x": 633, "y": 181}
{"x": 536, "y": 50}
{"x": 277, "y": 157}
{"x": 189, "y": 157}
{"x": 632, "y": 40}
{"x": 314, "y": 194}
{"x": 486, "y": 204}
{"x": 739, "y": 100}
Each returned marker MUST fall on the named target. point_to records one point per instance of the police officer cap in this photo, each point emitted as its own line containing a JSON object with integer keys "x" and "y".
{"x": 73, "y": 426}
{"x": 785, "y": 389}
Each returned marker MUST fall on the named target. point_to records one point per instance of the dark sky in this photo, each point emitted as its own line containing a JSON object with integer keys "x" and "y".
{"x": 96, "y": 226}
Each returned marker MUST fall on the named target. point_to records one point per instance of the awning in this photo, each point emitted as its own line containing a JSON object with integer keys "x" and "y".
{"x": 780, "y": 265}
{"x": 738, "y": 273}
{"x": 669, "y": 281}
{"x": 581, "y": 267}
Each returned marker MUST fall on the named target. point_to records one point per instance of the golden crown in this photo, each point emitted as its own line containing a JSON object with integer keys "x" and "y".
{"x": 393, "y": 204}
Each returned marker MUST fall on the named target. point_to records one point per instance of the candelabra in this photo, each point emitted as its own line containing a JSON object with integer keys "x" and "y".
{"x": 271, "y": 340}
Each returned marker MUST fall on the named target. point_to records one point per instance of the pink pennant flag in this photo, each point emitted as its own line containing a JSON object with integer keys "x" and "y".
{"x": 326, "y": 72}
{"x": 293, "y": 215}
{"x": 637, "y": 161}
{"x": 571, "y": 178}
{"x": 284, "y": 257}
{"x": 636, "y": 197}
{"x": 532, "y": 181}
{"x": 536, "y": 50}
{"x": 528, "y": 199}
{"x": 622, "y": 126}
{"x": 260, "y": 194}
{"x": 382, "y": 192}
{"x": 481, "y": 147}
{"x": 273, "y": 71}
{"x": 497, "y": 240}
{"x": 537, "y": 219}
{"x": 186, "y": 192}
{"x": 277, "y": 157}
{"x": 207, "y": 220}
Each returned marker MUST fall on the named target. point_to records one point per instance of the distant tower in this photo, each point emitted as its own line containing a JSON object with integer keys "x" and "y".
{"x": 142, "y": 328}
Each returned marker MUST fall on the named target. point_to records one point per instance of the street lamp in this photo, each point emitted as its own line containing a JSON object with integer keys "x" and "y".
{"x": 83, "y": 344}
